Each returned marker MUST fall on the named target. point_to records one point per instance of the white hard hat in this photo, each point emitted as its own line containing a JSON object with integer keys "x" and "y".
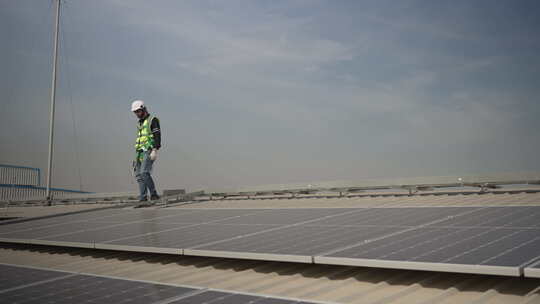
{"x": 137, "y": 105}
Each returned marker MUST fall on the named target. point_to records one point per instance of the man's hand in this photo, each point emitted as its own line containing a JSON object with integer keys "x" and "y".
{"x": 153, "y": 155}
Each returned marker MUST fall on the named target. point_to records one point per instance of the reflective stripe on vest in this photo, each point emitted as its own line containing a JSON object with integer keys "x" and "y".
{"x": 145, "y": 138}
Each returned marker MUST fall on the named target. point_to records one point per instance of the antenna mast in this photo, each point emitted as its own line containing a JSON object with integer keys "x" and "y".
{"x": 53, "y": 97}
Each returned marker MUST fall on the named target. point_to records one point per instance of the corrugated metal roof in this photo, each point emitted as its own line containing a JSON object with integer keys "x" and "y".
{"x": 338, "y": 284}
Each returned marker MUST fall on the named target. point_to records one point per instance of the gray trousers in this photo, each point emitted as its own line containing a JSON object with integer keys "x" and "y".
{"x": 144, "y": 179}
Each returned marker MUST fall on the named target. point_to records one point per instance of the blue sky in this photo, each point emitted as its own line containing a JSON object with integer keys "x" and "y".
{"x": 268, "y": 92}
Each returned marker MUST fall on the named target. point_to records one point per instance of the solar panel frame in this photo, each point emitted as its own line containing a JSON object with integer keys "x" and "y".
{"x": 424, "y": 266}
{"x": 532, "y": 270}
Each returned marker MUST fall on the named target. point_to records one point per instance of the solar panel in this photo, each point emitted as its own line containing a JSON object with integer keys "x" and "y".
{"x": 91, "y": 289}
{"x": 514, "y": 217}
{"x": 219, "y": 297}
{"x": 30, "y": 285}
{"x": 486, "y": 240}
{"x": 184, "y": 237}
{"x": 41, "y": 232}
{"x": 492, "y": 240}
{"x": 301, "y": 240}
{"x": 287, "y": 216}
{"x": 115, "y": 232}
{"x": 61, "y": 287}
{"x": 394, "y": 216}
{"x": 13, "y": 276}
{"x": 458, "y": 248}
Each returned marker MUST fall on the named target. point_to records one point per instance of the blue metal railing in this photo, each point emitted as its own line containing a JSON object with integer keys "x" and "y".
{"x": 21, "y": 182}
{"x": 26, "y": 168}
{"x": 40, "y": 188}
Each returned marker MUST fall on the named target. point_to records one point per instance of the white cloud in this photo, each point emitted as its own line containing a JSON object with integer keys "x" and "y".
{"x": 299, "y": 90}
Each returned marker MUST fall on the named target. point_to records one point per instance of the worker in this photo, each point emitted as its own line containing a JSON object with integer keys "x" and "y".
{"x": 146, "y": 146}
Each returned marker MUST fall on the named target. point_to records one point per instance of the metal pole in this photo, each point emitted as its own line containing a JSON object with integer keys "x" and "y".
{"x": 53, "y": 96}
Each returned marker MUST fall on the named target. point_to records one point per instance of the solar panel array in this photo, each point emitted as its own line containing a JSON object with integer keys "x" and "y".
{"x": 483, "y": 240}
{"x": 29, "y": 285}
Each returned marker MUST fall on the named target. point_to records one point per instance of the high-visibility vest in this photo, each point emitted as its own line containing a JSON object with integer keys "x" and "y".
{"x": 145, "y": 138}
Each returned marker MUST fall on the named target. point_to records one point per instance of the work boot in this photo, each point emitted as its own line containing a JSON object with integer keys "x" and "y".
{"x": 154, "y": 197}
{"x": 143, "y": 200}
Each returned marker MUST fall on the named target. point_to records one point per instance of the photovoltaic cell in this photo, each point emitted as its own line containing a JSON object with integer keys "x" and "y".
{"x": 416, "y": 240}
{"x": 6, "y": 230}
{"x": 83, "y": 216}
{"x": 73, "y": 288}
{"x": 91, "y": 289}
{"x": 204, "y": 216}
{"x": 59, "y": 220}
{"x": 527, "y": 251}
{"x": 13, "y": 276}
{"x": 498, "y": 245}
{"x": 205, "y": 297}
{"x": 285, "y": 216}
{"x": 218, "y": 297}
{"x": 191, "y": 236}
{"x": 512, "y": 217}
{"x": 394, "y": 216}
{"x": 277, "y": 301}
{"x": 301, "y": 240}
{"x": 114, "y": 233}
{"x": 169, "y": 215}
{"x": 71, "y": 227}
{"x": 475, "y": 246}
{"x": 133, "y": 216}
